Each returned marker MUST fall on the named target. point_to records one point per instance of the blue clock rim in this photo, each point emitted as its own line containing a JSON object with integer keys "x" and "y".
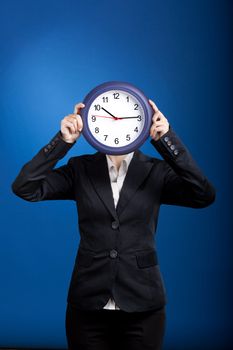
{"x": 124, "y": 86}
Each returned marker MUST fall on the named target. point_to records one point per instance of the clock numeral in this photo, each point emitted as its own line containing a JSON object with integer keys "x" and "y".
{"x": 127, "y": 98}
{"x": 97, "y": 130}
{"x": 93, "y": 118}
{"x": 97, "y": 107}
{"x": 116, "y": 140}
{"x": 105, "y": 137}
{"x": 127, "y": 137}
{"x": 135, "y": 106}
{"x": 136, "y": 129}
{"x": 139, "y": 118}
{"x": 116, "y": 95}
{"x": 105, "y": 99}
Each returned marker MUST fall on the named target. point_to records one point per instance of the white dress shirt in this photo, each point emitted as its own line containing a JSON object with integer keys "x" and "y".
{"x": 117, "y": 179}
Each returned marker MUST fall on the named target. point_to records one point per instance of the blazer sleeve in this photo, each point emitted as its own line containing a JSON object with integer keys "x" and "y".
{"x": 184, "y": 183}
{"x": 37, "y": 180}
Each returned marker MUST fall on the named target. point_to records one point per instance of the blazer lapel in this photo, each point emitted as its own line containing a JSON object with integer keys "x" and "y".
{"x": 138, "y": 170}
{"x": 99, "y": 176}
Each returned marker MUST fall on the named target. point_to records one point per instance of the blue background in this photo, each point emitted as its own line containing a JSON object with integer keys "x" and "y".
{"x": 52, "y": 54}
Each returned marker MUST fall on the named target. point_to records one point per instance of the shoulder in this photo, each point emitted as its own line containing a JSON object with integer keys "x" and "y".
{"x": 148, "y": 158}
{"x": 85, "y": 158}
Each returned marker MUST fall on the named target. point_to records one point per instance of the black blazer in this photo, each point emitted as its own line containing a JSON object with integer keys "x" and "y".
{"x": 117, "y": 254}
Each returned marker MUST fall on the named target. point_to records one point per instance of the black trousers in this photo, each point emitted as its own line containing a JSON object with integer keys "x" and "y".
{"x": 114, "y": 329}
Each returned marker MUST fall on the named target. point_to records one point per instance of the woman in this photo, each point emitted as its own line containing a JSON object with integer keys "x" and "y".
{"x": 116, "y": 296}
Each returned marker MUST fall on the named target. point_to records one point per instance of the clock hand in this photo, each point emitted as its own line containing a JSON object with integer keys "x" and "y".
{"x": 103, "y": 116}
{"x": 114, "y": 118}
{"x": 109, "y": 113}
{"x": 128, "y": 117}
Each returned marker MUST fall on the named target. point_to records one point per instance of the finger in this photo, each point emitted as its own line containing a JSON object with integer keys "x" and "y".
{"x": 76, "y": 118}
{"x": 80, "y": 122}
{"x": 155, "y": 108}
{"x": 78, "y": 107}
{"x": 153, "y": 130}
{"x": 160, "y": 128}
{"x": 74, "y": 121}
{"x": 159, "y": 123}
{"x": 153, "y": 134}
{"x": 159, "y": 116}
{"x": 70, "y": 117}
{"x": 157, "y": 128}
{"x": 70, "y": 126}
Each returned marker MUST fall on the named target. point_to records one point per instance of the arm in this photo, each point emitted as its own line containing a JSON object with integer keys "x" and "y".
{"x": 184, "y": 182}
{"x": 37, "y": 179}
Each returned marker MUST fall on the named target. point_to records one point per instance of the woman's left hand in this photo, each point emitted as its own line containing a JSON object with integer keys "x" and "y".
{"x": 160, "y": 124}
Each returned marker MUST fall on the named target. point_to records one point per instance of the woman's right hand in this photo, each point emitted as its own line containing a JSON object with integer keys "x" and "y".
{"x": 72, "y": 124}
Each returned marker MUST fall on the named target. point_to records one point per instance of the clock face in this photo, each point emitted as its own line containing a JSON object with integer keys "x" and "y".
{"x": 116, "y": 118}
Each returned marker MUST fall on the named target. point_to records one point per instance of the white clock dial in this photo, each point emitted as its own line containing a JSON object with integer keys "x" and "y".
{"x": 116, "y": 118}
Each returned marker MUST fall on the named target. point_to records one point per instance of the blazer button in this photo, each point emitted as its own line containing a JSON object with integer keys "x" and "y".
{"x": 115, "y": 225}
{"x": 169, "y": 143}
{"x": 113, "y": 253}
{"x": 166, "y": 138}
{"x": 176, "y": 152}
{"x": 172, "y": 147}
{"x": 46, "y": 149}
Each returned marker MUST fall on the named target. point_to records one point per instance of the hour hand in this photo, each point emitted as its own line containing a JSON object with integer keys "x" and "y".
{"x": 109, "y": 113}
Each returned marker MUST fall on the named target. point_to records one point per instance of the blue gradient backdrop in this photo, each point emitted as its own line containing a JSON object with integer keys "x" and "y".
{"x": 179, "y": 54}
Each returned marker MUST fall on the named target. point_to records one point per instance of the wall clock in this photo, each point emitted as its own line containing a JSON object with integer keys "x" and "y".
{"x": 116, "y": 118}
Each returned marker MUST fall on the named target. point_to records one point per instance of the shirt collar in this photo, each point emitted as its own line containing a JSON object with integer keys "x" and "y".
{"x": 126, "y": 161}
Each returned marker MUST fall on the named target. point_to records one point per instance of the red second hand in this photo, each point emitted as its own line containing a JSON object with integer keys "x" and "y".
{"x": 104, "y": 116}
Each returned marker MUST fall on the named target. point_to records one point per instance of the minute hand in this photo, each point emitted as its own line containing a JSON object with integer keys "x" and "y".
{"x": 128, "y": 117}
